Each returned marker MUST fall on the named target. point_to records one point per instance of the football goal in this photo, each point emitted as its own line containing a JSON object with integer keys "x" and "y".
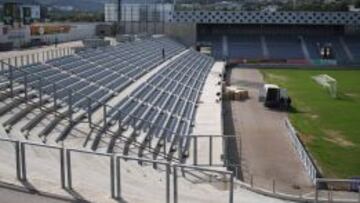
{"x": 327, "y": 82}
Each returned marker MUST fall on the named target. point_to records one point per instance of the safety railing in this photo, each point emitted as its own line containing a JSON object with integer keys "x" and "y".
{"x": 66, "y": 162}
{"x": 214, "y": 151}
{"x": 37, "y": 57}
{"x": 327, "y": 190}
{"x": 302, "y": 152}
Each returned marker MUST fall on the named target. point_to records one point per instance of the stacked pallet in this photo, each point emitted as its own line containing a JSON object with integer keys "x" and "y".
{"x": 235, "y": 93}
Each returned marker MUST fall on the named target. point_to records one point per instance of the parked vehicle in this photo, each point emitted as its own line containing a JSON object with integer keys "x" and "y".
{"x": 274, "y": 97}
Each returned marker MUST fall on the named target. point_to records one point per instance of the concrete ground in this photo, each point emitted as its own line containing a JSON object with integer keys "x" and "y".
{"x": 265, "y": 149}
{"x": 15, "y": 194}
{"x": 209, "y": 106}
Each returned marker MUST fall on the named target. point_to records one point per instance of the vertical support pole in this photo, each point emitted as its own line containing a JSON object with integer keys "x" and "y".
{"x": 70, "y": 106}
{"x": 22, "y": 60}
{"x": 38, "y": 57}
{"x": 2, "y": 66}
{"x": 27, "y": 59}
{"x": 23, "y": 162}
{"x": 195, "y": 150}
{"x": 224, "y": 151}
{"x": 33, "y": 58}
{"x": 210, "y": 150}
{"x": 47, "y": 55}
{"x": 16, "y": 62}
{"x": 112, "y": 177}
{"x": 89, "y": 112}
{"x": 179, "y": 148}
{"x": 55, "y": 95}
{"x": 175, "y": 186}
{"x": 11, "y": 80}
{"x": 274, "y": 186}
{"x": 118, "y": 177}
{"x": 68, "y": 165}
{"x": 316, "y": 191}
{"x": 104, "y": 116}
{"x": 40, "y": 91}
{"x": 251, "y": 181}
{"x": 168, "y": 183}
{"x": 26, "y": 86}
{"x": 18, "y": 160}
{"x": 8, "y": 63}
{"x": 62, "y": 168}
{"x": 231, "y": 198}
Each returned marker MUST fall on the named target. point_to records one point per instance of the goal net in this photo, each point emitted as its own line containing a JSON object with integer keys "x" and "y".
{"x": 327, "y": 82}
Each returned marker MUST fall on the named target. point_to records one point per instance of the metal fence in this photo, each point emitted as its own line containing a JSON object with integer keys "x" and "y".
{"x": 37, "y": 57}
{"x": 301, "y": 151}
{"x": 326, "y": 189}
{"x": 67, "y": 177}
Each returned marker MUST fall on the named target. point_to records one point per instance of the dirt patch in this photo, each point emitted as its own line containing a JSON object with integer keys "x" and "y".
{"x": 352, "y": 95}
{"x": 313, "y": 116}
{"x": 338, "y": 138}
{"x": 306, "y": 138}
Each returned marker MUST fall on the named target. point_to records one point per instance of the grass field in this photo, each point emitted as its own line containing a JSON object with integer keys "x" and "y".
{"x": 330, "y": 128}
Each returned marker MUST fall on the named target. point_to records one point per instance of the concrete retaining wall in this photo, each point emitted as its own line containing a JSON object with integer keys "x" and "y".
{"x": 183, "y": 32}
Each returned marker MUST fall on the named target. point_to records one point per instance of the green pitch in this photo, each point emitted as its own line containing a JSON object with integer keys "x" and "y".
{"x": 330, "y": 128}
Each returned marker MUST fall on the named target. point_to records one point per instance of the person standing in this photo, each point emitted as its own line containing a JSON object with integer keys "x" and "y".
{"x": 56, "y": 42}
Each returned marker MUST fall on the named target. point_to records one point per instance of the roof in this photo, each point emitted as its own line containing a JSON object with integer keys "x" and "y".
{"x": 19, "y": 1}
{"x": 272, "y": 86}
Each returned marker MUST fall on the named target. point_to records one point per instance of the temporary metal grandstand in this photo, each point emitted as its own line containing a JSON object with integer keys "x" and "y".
{"x": 74, "y": 87}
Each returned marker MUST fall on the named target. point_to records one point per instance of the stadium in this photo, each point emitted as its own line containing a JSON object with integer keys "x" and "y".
{"x": 179, "y": 106}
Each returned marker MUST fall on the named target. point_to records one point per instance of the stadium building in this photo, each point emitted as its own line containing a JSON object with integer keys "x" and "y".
{"x": 148, "y": 118}
{"x": 262, "y": 36}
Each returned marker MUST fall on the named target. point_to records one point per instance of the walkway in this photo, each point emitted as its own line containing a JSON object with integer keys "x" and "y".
{"x": 266, "y": 151}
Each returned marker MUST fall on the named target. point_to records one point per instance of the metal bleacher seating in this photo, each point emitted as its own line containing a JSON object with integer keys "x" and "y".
{"x": 284, "y": 47}
{"x": 96, "y": 73}
{"x": 165, "y": 105}
{"x": 88, "y": 79}
{"x": 315, "y": 42}
{"x": 353, "y": 43}
{"x": 245, "y": 47}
